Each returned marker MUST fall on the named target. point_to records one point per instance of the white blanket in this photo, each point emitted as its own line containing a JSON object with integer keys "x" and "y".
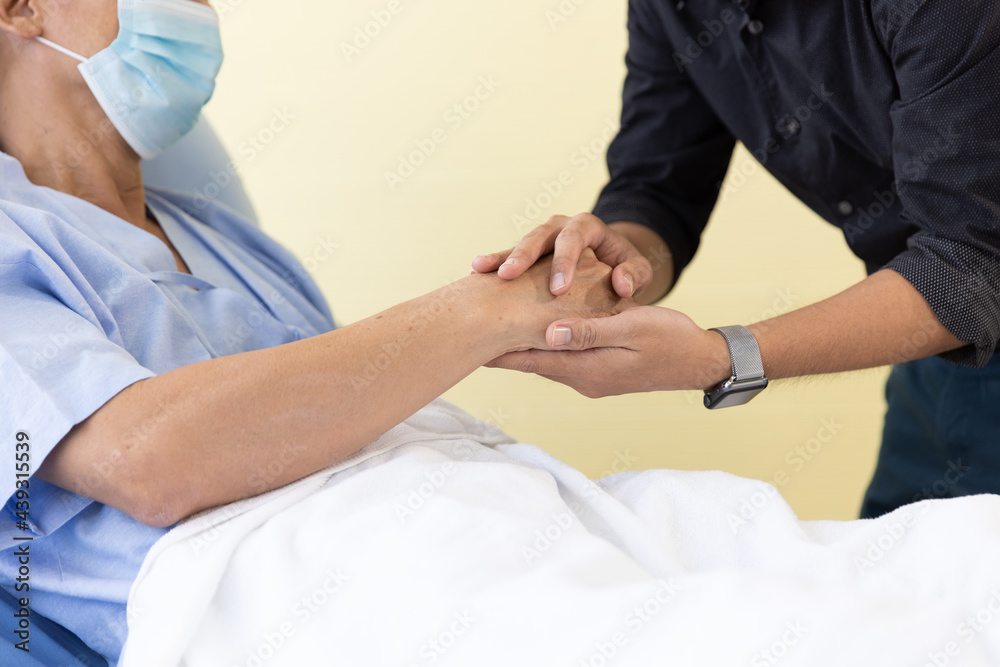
{"x": 445, "y": 543}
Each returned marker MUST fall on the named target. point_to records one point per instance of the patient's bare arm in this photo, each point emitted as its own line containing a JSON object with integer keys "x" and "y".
{"x": 231, "y": 427}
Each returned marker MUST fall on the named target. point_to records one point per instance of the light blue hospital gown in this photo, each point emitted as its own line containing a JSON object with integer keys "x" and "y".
{"x": 90, "y": 304}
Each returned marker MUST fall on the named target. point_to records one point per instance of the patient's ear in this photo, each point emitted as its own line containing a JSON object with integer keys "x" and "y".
{"x": 22, "y": 18}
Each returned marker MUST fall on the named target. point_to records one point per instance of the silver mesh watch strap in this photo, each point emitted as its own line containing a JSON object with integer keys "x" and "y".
{"x": 743, "y": 349}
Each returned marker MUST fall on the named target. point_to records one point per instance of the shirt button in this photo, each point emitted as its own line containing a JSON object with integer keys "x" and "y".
{"x": 789, "y": 126}
{"x": 755, "y": 27}
{"x": 845, "y": 207}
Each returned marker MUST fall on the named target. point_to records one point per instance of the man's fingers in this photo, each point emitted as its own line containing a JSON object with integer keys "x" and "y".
{"x": 631, "y": 276}
{"x": 489, "y": 263}
{"x": 587, "y": 232}
{"x": 536, "y": 243}
{"x": 536, "y": 362}
{"x": 614, "y": 331}
{"x": 569, "y": 368}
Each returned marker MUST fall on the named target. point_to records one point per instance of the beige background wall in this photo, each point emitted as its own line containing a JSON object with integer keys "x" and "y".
{"x": 345, "y": 117}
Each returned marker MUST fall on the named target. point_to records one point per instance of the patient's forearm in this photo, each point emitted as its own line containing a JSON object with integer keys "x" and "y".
{"x": 239, "y": 425}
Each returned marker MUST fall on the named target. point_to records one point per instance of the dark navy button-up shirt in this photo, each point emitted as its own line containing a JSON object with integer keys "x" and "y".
{"x": 883, "y": 116}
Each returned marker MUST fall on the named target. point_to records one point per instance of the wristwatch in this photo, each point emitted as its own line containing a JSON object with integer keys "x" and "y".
{"x": 748, "y": 378}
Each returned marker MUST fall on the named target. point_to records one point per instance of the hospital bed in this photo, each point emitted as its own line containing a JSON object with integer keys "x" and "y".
{"x": 187, "y": 167}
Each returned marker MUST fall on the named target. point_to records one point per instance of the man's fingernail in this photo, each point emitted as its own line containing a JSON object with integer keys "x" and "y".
{"x": 478, "y": 258}
{"x": 631, "y": 284}
{"x": 511, "y": 261}
{"x": 561, "y": 336}
{"x": 558, "y": 282}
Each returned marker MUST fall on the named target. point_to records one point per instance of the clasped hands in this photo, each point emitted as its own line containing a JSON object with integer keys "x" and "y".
{"x": 609, "y": 344}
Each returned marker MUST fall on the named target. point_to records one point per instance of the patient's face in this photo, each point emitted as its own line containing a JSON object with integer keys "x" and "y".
{"x": 83, "y": 26}
{"x": 95, "y": 22}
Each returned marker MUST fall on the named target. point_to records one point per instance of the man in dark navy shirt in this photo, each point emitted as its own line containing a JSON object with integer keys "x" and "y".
{"x": 883, "y": 116}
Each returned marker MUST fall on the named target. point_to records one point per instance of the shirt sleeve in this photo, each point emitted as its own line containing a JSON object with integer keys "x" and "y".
{"x": 671, "y": 151}
{"x": 58, "y": 367}
{"x": 946, "y": 153}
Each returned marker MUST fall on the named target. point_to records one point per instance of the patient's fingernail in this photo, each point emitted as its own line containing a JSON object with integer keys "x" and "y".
{"x": 561, "y": 336}
{"x": 631, "y": 284}
{"x": 558, "y": 282}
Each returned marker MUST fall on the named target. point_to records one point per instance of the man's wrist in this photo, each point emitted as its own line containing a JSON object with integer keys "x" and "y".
{"x": 758, "y": 330}
{"x": 746, "y": 379}
{"x": 718, "y": 364}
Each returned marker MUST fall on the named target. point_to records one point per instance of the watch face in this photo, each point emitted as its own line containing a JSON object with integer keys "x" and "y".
{"x": 729, "y": 394}
{"x": 734, "y": 398}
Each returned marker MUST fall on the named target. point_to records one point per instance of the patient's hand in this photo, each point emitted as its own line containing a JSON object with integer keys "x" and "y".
{"x": 527, "y": 306}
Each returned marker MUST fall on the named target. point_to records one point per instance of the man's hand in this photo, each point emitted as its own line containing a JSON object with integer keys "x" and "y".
{"x": 641, "y": 349}
{"x": 528, "y": 307}
{"x": 626, "y": 247}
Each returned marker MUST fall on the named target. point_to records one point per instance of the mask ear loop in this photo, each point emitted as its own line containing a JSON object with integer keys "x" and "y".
{"x": 61, "y": 49}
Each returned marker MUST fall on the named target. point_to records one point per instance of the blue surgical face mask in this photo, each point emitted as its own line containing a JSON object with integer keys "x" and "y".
{"x": 154, "y": 79}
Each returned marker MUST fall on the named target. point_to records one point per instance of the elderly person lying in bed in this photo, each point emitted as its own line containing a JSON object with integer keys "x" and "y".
{"x": 156, "y": 355}
{"x": 159, "y": 358}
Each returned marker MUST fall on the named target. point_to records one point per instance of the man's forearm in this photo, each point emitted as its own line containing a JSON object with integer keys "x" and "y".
{"x": 656, "y": 251}
{"x": 882, "y": 320}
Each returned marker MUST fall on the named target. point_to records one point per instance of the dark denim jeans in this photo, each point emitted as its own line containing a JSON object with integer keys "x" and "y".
{"x": 941, "y": 437}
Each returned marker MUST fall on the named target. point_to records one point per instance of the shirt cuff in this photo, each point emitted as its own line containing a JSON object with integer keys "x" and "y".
{"x": 962, "y": 285}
